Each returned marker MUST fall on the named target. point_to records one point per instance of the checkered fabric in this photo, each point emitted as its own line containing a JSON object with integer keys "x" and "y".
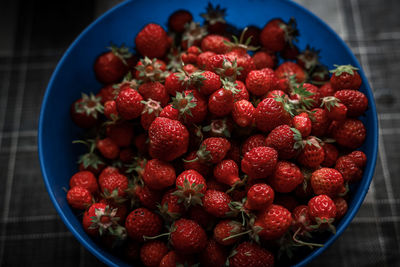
{"x": 34, "y": 34}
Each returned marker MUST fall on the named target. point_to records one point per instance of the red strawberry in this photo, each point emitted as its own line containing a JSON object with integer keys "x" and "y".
{"x": 107, "y": 93}
{"x": 151, "y": 111}
{"x": 202, "y": 59}
{"x": 285, "y": 140}
{"x": 176, "y": 82}
{"x": 152, "y": 41}
{"x": 110, "y": 110}
{"x": 341, "y": 207}
{"x": 121, "y": 133}
{"x": 113, "y": 184}
{"x": 312, "y": 154}
{"x": 85, "y": 111}
{"x": 301, "y": 219}
{"x": 100, "y": 219}
{"x": 90, "y": 161}
{"x": 259, "y": 162}
{"x": 172, "y": 259}
{"x": 302, "y": 123}
{"x": 349, "y": 169}
{"x": 158, "y": 175}
{"x": 207, "y": 82}
{"x": 327, "y": 90}
{"x": 290, "y": 52}
{"x": 359, "y": 158}
{"x": 187, "y": 237}
{"x": 323, "y": 211}
{"x": 155, "y": 91}
{"x": 152, "y": 252}
{"x": 79, "y": 197}
{"x": 345, "y": 77}
{"x": 215, "y": 18}
{"x": 110, "y": 67}
{"x": 251, "y": 254}
{"x": 289, "y": 69}
{"x": 319, "y": 121}
{"x": 243, "y": 60}
{"x": 121, "y": 209}
{"x": 275, "y": 93}
{"x": 191, "y": 105}
{"x": 227, "y": 172}
{"x": 252, "y": 142}
{"x": 108, "y": 148}
{"x": 331, "y": 154}
{"x": 168, "y": 139}
{"x": 286, "y": 177}
{"x": 234, "y": 152}
{"x": 149, "y": 70}
{"x": 242, "y": 94}
{"x": 225, "y": 229}
{"x": 178, "y": 19}
{"x": 171, "y": 207}
{"x": 215, "y": 43}
{"x": 312, "y": 99}
{"x": 326, "y": 181}
{"x": 147, "y": 197}
{"x": 275, "y": 222}
{"x": 220, "y": 102}
{"x": 335, "y": 110}
{"x": 350, "y": 134}
{"x": 216, "y": 203}
{"x": 142, "y": 222}
{"x": 84, "y": 179}
{"x": 263, "y": 60}
{"x": 276, "y": 34}
{"x": 252, "y": 32}
{"x": 191, "y": 187}
{"x": 190, "y": 163}
{"x": 214, "y": 255}
{"x": 259, "y": 197}
{"x": 242, "y": 113}
{"x": 213, "y": 149}
{"x": 169, "y": 112}
{"x": 270, "y": 114}
{"x": 259, "y": 82}
{"x": 355, "y": 101}
{"x": 129, "y": 104}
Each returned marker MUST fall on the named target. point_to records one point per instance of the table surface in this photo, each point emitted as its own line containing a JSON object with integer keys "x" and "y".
{"x": 34, "y": 35}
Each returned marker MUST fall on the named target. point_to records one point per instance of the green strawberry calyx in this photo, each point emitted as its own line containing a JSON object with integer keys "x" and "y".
{"x": 343, "y": 69}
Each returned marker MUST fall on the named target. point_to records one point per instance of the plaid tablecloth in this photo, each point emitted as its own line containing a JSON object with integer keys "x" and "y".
{"x": 34, "y": 34}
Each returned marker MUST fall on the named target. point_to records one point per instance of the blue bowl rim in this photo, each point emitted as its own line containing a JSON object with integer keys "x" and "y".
{"x": 344, "y": 223}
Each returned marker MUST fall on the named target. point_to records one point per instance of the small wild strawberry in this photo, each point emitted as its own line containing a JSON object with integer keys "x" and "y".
{"x": 345, "y": 77}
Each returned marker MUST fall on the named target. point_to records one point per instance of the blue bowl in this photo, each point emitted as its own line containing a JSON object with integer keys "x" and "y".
{"x": 74, "y": 74}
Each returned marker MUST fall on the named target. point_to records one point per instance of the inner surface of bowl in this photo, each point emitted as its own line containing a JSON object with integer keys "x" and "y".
{"x": 74, "y": 75}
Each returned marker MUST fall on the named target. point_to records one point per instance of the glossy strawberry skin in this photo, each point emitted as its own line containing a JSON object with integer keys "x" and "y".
{"x": 209, "y": 83}
{"x": 215, "y": 43}
{"x": 346, "y": 81}
{"x": 259, "y": 196}
{"x": 87, "y": 219}
{"x": 260, "y": 82}
{"x": 263, "y": 60}
{"x": 227, "y": 172}
{"x": 147, "y": 197}
{"x": 259, "y": 162}
{"x": 327, "y": 90}
{"x": 169, "y": 139}
{"x": 272, "y": 35}
{"x": 282, "y": 140}
{"x": 341, "y": 207}
{"x": 348, "y": 168}
{"x": 243, "y": 113}
{"x": 159, "y": 175}
{"x": 110, "y": 109}
{"x": 275, "y": 221}
{"x": 129, "y": 104}
{"x": 84, "y": 179}
{"x": 216, "y": 203}
{"x": 193, "y": 177}
{"x": 214, "y": 254}
{"x": 199, "y": 111}
{"x": 113, "y": 180}
{"x": 188, "y": 237}
{"x": 108, "y": 148}
{"x": 312, "y": 155}
{"x": 287, "y": 69}
{"x": 359, "y": 158}
{"x": 79, "y": 197}
{"x": 218, "y": 148}
{"x": 152, "y": 252}
{"x": 152, "y": 41}
{"x": 331, "y": 155}
{"x": 225, "y": 229}
{"x": 252, "y": 142}
{"x": 286, "y": 177}
{"x": 270, "y": 114}
{"x": 327, "y": 181}
{"x": 142, "y": 222}
{"x": 109, "y": 68}
{"x": 251, "y": 254}
{"x": 319, "y": 121}
{"x": 175, "y": 83}
{"x": 220, "y": 102}
{"x": 302, "y": 122}
{"x": 322, "y": 207}
{"x": 202, "y": 59}
{"x": 155, "y": 91}
{"x": 355, "y": 101}
{"x": 350, "y": 134}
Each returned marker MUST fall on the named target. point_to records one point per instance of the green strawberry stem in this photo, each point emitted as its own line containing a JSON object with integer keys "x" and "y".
{"x": 155, "y": 237}
{"x": 237, "y": 235}
{"x": 303, "y": 243}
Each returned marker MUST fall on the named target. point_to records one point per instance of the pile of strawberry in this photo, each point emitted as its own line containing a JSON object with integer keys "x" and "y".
{"x": 212, "y": 149}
